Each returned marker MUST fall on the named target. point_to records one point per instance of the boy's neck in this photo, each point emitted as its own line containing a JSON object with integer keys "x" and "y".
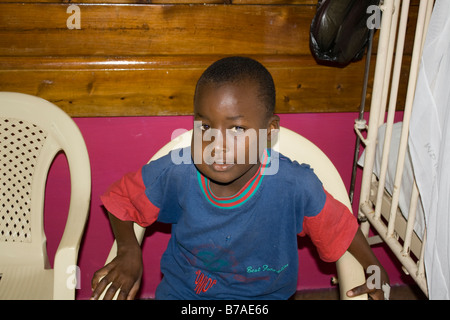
{"x": 230, "y": 189}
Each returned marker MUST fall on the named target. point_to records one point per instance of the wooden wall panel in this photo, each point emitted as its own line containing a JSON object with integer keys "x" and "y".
{"x": 158, "y": 89}
{"x": 144, "y": 57}
{"x": 141, "y": 30}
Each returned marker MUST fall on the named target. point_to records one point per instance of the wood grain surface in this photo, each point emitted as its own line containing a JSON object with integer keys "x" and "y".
{"x": 135, "y": 58}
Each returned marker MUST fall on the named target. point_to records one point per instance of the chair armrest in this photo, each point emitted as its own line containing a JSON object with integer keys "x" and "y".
{"x": 66, "y": 271}
{"x": 350, "y": 274}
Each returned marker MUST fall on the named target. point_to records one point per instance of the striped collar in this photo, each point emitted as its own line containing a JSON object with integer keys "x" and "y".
{"x": 247, "y": 191}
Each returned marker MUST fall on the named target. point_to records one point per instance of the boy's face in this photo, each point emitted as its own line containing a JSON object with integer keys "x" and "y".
{"x": 227, "y": 123}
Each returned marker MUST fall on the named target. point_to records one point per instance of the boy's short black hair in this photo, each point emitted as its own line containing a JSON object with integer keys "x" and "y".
{"x": 236, "y": 69}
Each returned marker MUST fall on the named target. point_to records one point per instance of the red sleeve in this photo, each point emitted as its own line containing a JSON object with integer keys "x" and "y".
{"x": 332, "y": 230}
{"x": 126, "y": 199}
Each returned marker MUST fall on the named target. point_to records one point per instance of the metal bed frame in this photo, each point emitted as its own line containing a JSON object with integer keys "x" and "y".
{"x": 377, "y": 208}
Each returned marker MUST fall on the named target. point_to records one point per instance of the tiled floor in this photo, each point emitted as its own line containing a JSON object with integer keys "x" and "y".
{"x": 404, "y": 292}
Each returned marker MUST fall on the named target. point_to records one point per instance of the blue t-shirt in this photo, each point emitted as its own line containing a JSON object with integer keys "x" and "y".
{"x": 239, "y": 247}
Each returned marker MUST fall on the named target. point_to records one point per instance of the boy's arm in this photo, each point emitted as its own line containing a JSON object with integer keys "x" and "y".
{"x": 379, "y": 288}
{"x": 124, "y": 272}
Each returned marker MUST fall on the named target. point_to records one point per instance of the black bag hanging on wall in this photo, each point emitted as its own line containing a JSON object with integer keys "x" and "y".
{"x": 339, "y": 32}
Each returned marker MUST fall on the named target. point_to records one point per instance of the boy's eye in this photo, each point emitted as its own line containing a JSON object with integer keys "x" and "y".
{"x": 237, "y": 129}
{"x": 204, "y": 127}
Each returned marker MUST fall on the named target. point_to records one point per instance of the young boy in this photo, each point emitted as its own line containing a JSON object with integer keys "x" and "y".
{"x": 234, "y": 224}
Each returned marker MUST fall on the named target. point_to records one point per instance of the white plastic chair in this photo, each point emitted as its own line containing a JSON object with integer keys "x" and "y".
{"x": 291, "y": 144}
{"x": 32, "y": 132}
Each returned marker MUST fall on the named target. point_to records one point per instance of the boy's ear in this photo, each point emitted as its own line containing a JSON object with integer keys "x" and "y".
{"x": 274, "y": 124}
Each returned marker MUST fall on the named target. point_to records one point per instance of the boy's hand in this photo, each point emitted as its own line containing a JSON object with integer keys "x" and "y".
{"x": 375, "y": 292}
{"x": 378, "y": 289}
{"x": 124, "y": 273}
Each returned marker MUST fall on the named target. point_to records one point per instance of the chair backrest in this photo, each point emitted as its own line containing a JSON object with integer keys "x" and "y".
{"x": 296, "y": 147}
{"x": 32, "y": 132}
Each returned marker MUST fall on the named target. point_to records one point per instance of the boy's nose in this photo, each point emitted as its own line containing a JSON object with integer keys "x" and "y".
{"x": 220, "y": 149}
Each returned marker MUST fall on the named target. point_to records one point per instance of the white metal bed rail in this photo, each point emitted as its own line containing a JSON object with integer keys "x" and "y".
{"x": 386, "y": 82}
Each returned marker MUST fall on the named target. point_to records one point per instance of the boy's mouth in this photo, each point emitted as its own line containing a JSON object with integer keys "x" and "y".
{"x": 222, "y": 166}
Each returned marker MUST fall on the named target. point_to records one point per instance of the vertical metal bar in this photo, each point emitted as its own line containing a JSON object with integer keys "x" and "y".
{"x": 390, "y": 53}
{"x": 361, "y": 113}
{"x": 411, "y": 219}
{"x": 420, "y": 263}
{"x": 380, "y": 70}
{"x": 415, "y": 62}
{"x": 392, "y": 102}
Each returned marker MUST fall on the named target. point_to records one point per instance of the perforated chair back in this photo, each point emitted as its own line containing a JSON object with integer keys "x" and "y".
{"x": 32, "y": 132}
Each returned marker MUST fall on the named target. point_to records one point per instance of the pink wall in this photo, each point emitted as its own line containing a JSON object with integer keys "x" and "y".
{"x": 119, "y": 145}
